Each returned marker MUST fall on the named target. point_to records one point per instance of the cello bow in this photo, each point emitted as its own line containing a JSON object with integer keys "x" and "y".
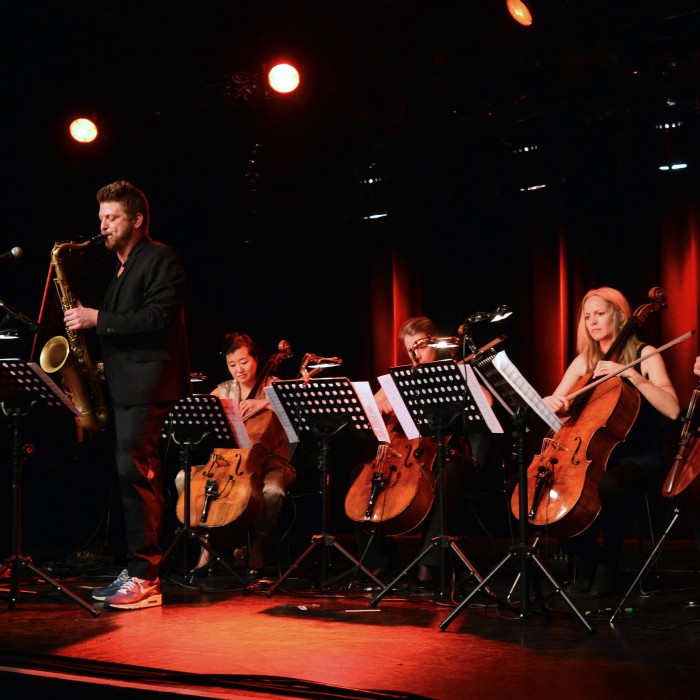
{"x": 624, "y": 368}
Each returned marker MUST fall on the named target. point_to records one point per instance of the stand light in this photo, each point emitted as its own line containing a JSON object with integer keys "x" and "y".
{"x": 498, "y": 314}
{"x": 316, "y": 364}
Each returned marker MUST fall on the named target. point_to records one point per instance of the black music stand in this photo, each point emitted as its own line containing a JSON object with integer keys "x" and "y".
{"x": 513, "y": 391}
{"x": 435, "y": 395}
{"x": 190, "y": 421}
{"x": 23, "y": 386}
{"x": 321, "y": 408}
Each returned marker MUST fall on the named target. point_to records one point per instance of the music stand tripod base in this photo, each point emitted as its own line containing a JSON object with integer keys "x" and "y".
{"x": 22, "y": 386}
{"x": 523, "y": 552}
{"x": 322, "y": 409}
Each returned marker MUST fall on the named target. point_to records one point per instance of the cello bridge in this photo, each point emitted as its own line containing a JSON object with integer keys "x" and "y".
{"x": 554, "y": 444}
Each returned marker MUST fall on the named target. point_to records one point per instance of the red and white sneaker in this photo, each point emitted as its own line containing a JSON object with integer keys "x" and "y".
{"x": 135, "y": 593}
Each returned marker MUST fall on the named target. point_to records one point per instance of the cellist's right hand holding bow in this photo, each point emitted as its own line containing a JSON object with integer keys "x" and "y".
{"x": 559, "y": 404}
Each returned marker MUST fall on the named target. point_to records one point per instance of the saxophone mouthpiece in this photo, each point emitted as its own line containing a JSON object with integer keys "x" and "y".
{"x": 99, "y": 238}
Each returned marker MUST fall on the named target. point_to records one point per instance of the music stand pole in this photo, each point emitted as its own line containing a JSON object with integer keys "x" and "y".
{"x": 523, "y": 551}
{"x": 441, "y": 541}
{"x": 324, "y": 540}
{"x": 17, "y": 562}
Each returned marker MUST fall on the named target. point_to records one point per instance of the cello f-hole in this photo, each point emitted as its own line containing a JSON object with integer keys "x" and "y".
{"x": 574, "y": 458}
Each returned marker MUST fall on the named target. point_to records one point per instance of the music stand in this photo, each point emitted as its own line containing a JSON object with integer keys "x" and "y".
{"x": 513, "y": 391}
{"x": 23, "y": 386}
{"x": 322, "y": 409}
{"x": 190, "y": 421}
{"x": 435, "y": 394}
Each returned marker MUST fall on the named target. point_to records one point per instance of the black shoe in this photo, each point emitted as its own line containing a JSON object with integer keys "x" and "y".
{"x": 252, "y": 575}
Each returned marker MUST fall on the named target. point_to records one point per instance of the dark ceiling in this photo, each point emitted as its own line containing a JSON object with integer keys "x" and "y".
{"x": 377, "y": 73}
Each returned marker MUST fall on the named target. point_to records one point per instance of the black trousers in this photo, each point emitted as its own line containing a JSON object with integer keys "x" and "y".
{"x": 141, "y": 484}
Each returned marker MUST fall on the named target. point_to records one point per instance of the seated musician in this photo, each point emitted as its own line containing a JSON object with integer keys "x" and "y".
{"x": 637, "y": 462}
{"x": 245, "y": 360}
{"x": 464, "y": 454}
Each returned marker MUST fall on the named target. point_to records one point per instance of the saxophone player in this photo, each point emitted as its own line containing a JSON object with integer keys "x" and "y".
{"x": 140, "y": 324}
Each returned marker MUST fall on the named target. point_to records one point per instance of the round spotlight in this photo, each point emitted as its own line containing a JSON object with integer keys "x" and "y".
{"x": 283, "y": 78}
{"x": 520, "y": 12}
{"x": 83, "y": 130}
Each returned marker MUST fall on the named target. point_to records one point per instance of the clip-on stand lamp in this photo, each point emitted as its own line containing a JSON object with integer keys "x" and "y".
{"x": 435, "y": 395}
{"x": 22, "y": 386}
{"x": 508, "y": 385}
{"x": 322, "y": 408}
{"x": 192, "y": 419}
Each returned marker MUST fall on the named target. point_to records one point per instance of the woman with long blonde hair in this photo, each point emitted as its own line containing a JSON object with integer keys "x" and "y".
{"x": 637, "y": 462}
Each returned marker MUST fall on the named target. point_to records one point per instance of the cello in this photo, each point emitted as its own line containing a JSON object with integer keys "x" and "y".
{"x": 228, "y": 489}
{"x": 394, "y": 493}
{"x": 563, "y": 478}
{"x": 682, "y": 481}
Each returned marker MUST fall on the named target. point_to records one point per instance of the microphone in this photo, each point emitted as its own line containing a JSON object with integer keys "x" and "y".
{"x": 33, "y": 326}
{"x": 16, "y": 252}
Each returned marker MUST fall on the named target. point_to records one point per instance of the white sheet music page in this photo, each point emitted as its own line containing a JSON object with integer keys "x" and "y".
{"x": 480, "y": 399}
{"x": 386, "y": 381}
{"x": 230, "y": 407}
{"x": 278, "y": 408}
{"x": 374, "y": 415}
{"x": 521, "y": 385}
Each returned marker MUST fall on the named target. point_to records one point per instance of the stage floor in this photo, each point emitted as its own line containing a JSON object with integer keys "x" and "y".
{"x": 216, "y": 638}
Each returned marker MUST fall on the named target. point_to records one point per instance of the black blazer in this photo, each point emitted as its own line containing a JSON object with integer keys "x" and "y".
{"x": 142, "y": 329}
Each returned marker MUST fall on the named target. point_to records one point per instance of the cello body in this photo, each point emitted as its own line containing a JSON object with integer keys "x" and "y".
{"x": 562, "y": 481}
{"x": 226, "y": 490}
{"x": 395, "y": 492}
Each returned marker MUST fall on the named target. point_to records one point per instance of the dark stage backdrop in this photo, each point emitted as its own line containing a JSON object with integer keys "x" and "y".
{"x": 265, "y": 204}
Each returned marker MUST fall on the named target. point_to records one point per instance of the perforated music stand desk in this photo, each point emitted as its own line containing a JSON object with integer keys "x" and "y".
{"x": 514, "y": 392}
{"x": 24, "y": 385}
{"x": 321, "y": 409}
{"x": 190, "y": 421}
{"x": 435, "y": 394}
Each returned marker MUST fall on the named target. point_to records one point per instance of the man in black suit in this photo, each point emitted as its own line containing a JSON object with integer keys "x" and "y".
{"x": 144, "y": 352}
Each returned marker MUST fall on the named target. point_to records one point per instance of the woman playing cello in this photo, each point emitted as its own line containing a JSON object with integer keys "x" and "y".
{"x": 637, "y": 462}
{"x": 245, "y": 361}
{"x": 415, "y": 334}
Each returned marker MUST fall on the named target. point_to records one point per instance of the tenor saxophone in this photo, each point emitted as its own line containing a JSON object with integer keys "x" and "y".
{"x": 69, "y": 355}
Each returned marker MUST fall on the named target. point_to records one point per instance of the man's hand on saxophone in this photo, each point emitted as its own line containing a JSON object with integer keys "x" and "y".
{"x": 80, "y": 317}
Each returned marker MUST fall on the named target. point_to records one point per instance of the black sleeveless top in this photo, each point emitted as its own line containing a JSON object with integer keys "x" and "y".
{"x": 644, "y": 440}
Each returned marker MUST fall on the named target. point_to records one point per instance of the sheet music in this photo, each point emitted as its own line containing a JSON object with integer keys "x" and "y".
{"x": 516, "y": 380}
{"x": 386, "y": 381}
{"x": 54, "y": 388}
{"x": 278, "y": 408}
{"x": 232, "y": 413}
{"x": 374, "y": 415}
{"x": 480, "y": 399}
